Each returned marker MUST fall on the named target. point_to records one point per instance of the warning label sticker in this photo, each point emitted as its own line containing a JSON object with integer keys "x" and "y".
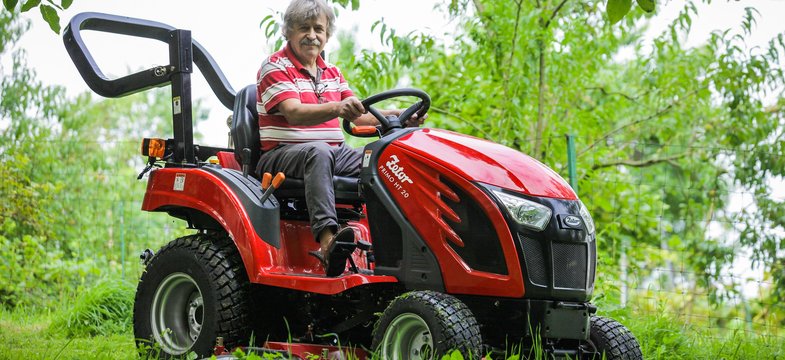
{"x": 179, "y": 182}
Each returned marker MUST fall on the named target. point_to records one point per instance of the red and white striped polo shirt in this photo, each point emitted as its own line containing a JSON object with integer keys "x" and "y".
{"x": 282, "y": 77}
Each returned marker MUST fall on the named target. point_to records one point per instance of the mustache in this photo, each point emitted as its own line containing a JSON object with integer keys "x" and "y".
{"x": 314, "y": 42}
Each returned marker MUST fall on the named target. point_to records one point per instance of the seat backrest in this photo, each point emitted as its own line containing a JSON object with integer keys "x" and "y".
{"x": 245, "y": 126}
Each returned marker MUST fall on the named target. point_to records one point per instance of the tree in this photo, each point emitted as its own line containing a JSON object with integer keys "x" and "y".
{"x": 72, "y": 197}
{"x": 48, "y": 10}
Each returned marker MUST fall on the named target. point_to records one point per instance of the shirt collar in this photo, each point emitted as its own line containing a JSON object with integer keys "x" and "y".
{"x": 290, "y": 54}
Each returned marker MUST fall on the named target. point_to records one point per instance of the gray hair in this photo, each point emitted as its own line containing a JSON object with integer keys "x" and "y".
{"x": 301, "y": 11}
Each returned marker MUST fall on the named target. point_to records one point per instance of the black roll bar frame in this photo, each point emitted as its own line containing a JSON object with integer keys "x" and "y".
{"x": 183, "y": 53}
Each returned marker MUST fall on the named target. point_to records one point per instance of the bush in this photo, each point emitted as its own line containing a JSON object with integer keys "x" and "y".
{"x": 102, "y": 310}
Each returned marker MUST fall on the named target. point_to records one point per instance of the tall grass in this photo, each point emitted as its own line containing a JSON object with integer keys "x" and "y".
{"x": 101, "y": 310}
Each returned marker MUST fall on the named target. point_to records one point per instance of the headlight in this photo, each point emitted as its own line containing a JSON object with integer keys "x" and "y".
{"x": 525, "y": 212}
{"x": 587, "y": 219}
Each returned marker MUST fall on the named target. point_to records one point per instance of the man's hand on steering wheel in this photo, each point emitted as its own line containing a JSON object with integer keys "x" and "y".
{"x": 350, "y": 108}
{"x": 413, "y": 116}
{"x": 415, "y": 120}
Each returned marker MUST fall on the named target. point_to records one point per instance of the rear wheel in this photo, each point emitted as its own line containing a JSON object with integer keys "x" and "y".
{"x": 426, "y": 325}
{"x": 614, "y": 340}
{"x": 193, "y": 291}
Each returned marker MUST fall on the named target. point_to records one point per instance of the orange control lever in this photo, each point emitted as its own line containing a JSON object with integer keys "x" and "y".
{"x": 364, "y": 130}
{"x": 266, "y": 179}
{"x": 276, "y": 182}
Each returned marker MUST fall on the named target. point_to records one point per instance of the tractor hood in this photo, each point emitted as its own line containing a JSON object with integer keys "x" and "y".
{"x": 483, "y": 161}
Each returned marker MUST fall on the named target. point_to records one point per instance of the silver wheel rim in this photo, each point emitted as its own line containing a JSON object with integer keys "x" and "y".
{"x": 407, "y": 337}
{"x": 177, "y": 313}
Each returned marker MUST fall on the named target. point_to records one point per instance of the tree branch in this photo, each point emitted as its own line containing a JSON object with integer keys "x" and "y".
{"x": 470, "y": 123}
{"x": 478, "y": 6}
{"x": 540, "y": 125}
{"x": 515, "y": 33}
{"x": 555, "y": 12}
{"x": 650, "y": 117}
{"x": 642, "y": 163}
{"x": 604, "y": 91}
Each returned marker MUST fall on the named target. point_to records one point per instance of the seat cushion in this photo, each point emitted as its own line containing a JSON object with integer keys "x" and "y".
{"x": 347, "y": 189}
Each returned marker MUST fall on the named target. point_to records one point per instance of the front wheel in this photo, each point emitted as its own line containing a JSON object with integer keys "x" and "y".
{"x": 193, "y": 291}
{"x": 614, "y": 340}
{"x": 426, "y": 325}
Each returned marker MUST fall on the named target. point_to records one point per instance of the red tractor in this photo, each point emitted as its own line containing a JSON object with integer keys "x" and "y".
{"x": 463, "y": 245}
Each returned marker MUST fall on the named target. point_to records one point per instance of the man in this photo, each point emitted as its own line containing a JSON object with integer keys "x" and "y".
{"x": 300, "y": 98}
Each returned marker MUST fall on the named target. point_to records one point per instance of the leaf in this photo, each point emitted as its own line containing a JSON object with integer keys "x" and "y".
{"x": 9, "y": 4}
{"x": 66, "y": 3}
{"x": 52, "y": 18}
{"x": 647, "y": 5}
{"x": 355, "y": 4}
{"x": 30, "y": 4}
{"x": 616, "y": 9}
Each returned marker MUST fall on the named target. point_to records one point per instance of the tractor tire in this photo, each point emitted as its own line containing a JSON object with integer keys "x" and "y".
{"x": 613, "y": 340}
{"x": 192, "y": 291}
{"x": 426, "y": 325}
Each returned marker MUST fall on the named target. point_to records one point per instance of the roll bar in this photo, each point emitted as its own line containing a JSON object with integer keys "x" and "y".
{"x": 142, "y": 80}
{"x": 183, "y": 53}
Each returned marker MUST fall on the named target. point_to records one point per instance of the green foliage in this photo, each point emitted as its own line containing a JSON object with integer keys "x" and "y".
{"x": 31, "y": 272}
{"x": 616, "y": 9}
{"x": 51, "y": 17}
{"x": 71, "y": 198}
{"x": 48, "y": 11}
{"x": 103, "y": 309}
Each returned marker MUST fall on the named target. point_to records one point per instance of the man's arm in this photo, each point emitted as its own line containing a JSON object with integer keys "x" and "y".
{"x": 297, "y": 113}
{"x": 368, "y": 118}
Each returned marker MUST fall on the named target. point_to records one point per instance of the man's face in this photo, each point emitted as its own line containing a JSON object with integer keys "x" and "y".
{"x": 308, "y": 39}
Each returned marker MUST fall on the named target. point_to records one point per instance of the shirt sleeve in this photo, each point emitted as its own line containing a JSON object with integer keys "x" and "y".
{"x": 274, "y": 85}
{"x": 345, "y": 90}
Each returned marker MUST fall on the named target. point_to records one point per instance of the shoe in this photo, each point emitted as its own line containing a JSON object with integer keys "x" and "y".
{"x": 341, "y": 247}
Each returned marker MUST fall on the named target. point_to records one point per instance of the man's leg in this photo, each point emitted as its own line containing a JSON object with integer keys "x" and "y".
{"x": 347, "y": 161}
{"x": 315, "y": 164}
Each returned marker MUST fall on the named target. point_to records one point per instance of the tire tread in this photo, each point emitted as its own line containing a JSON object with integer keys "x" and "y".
{"x": 614, "y": 339}
{"x": 218, "y": 255}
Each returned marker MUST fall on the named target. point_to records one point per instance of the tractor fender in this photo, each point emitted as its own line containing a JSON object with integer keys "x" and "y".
{"x": 228, "y": 200}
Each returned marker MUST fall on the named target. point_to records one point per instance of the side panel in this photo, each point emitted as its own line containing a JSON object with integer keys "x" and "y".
{"x": 200, "y": 190}
{"x": 421, "y": 188}
{"x": 266, "y": 262}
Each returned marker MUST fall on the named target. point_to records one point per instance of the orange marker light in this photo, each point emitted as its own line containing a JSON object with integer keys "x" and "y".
{"x": 154, "y": 147}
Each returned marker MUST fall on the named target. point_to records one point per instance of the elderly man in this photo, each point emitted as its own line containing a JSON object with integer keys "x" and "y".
{"x": 300, "y": 98}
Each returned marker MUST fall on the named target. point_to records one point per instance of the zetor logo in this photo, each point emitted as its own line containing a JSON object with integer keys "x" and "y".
{"x": 398, "y": 170}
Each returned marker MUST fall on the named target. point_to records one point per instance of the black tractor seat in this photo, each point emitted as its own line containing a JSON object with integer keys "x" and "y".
{"x": 346, "y": 189}
{"x": 245, "y": 135}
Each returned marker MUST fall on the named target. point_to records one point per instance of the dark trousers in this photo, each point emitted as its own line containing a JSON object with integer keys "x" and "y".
{"x": 315, "y": 163}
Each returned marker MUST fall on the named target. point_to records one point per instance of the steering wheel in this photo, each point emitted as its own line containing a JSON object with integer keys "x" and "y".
{"x": 392, "y": 122}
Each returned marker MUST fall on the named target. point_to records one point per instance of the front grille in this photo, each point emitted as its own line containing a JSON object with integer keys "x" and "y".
{"x": 535, "y": 260}
{"x": 569, "y": 265}
{"x": 560, "y": 265}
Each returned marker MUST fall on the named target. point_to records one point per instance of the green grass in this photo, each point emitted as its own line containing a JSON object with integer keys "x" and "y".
{"x": 102, "y": 310}
{"x": 94, "y": 326}
{"x": 665, "y": 337}
{"x": 26, "y": 335}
